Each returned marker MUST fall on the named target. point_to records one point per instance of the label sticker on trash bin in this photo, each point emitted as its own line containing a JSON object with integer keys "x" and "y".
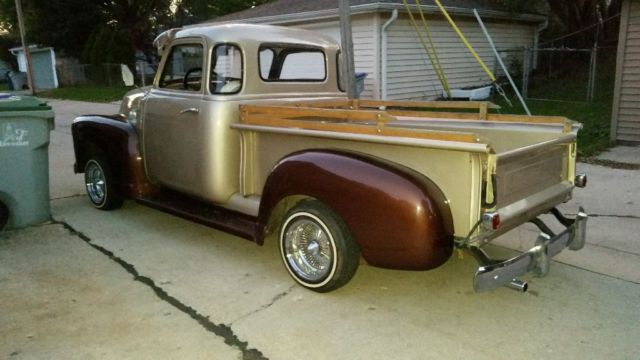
{"x": 11, "y": 135}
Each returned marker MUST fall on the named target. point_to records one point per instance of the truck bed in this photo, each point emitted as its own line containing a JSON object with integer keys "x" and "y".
{"x": 519, "y": 164}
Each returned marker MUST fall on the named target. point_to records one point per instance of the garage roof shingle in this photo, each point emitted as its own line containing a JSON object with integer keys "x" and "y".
{"x": 286, "y": 7}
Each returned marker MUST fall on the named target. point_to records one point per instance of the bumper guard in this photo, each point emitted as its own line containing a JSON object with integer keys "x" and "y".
{"x": 492, "y": 274}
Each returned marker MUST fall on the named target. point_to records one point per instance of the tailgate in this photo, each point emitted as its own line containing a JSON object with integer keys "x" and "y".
{"x": 524, "y": 173}
{"x": 533, "y": 179}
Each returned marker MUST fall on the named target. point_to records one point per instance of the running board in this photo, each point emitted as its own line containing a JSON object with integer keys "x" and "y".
{"x": 203, "y": 213}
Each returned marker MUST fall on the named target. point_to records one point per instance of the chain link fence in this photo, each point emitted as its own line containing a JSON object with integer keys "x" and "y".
{"x": 561, "y": 74}
{"x": 75, "y": 74}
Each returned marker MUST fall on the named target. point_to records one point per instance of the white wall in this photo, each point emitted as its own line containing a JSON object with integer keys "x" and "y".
{"x": 410, "y": 75}
{"x": 365, "y": 33}
{"x": 626, "y": 103}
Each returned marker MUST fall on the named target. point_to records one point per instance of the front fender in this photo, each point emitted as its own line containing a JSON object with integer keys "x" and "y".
{"x": 116, "y": 140}
{"x": 399, "y": 218}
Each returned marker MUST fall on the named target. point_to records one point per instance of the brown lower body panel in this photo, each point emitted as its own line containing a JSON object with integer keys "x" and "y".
{"x": 202, "y": 212}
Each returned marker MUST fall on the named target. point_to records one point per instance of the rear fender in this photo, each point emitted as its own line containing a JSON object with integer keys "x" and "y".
{"x": 399, "y": 218}
{"x": 113, "y": 138}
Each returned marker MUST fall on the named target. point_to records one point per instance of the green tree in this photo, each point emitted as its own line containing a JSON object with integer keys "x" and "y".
{"x": 572, "y": 16}
{"x": 194, "y": 11}
{"x": 140, "y": 19}
{"x": 62, "y": 24}
{"x": 7, "y": 42}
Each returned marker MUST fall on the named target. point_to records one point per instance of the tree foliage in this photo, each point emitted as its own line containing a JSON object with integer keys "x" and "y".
{"x": 63, "y": 24}
{"x": 95, "y": 29}
{"x": 573, "y": 16}
{"x": 194, "y": 11}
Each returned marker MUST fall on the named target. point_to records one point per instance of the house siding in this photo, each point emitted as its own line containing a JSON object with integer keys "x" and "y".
{"x": 410, "y": 74}
{"x": 626, "y": 113}
{"x": 365, "y": 32}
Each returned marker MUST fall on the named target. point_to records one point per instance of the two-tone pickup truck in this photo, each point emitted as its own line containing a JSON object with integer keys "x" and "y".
{"x": 246, "y": 129}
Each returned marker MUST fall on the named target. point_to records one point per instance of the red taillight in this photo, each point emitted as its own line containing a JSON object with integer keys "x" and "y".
{"x": 491, "y": 221}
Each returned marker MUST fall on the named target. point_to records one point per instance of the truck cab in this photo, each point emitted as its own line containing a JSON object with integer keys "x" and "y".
{"x": 205, "y": 74}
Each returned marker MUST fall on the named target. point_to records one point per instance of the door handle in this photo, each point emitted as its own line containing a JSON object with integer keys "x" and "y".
{"x": 190, "y": 110}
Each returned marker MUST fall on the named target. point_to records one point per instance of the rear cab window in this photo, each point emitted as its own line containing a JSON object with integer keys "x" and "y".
{"x": 226, "y": 69}
{"x": 292, "y": 63}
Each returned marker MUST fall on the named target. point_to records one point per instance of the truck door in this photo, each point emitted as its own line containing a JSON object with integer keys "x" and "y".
{"x": 173, "y": 125}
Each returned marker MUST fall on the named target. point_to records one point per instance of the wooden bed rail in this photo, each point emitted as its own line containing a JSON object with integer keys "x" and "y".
{"x": 372, "y": 117}
{"x": 457, "y": 110}
{"x": 364, "y": 122}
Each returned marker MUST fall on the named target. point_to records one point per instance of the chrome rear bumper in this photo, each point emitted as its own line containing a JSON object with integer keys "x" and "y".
{"x": 492, "y": 275}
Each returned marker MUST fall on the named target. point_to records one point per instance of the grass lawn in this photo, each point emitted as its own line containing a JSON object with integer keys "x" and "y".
{"x": 595, "y": 118}
{"x": 4, "y": 86}
{"x": 103, "y": 94}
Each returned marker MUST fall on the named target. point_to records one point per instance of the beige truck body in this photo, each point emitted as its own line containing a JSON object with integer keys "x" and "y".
{"x": 221, "y": 146}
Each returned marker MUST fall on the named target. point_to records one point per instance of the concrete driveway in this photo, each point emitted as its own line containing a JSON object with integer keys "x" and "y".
{"x": 138, "y": 283}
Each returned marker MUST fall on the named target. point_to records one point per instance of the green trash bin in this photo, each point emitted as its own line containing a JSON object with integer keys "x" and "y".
{"x": 25, "y": 123}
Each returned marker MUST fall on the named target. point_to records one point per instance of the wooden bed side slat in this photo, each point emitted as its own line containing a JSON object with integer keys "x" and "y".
{"x": 528, "y": 119}
{"x": 338, "y": 114}
{"x": 430, "y": 104}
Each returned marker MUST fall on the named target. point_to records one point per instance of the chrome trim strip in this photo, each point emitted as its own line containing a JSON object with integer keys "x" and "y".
{"x": 536, "y": 259}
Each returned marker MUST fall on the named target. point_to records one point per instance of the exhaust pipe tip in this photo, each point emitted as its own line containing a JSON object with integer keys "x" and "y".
{"x": 518, "y": 285}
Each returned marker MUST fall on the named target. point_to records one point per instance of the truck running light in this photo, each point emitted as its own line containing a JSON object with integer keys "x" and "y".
{"x": 491, "y": 221}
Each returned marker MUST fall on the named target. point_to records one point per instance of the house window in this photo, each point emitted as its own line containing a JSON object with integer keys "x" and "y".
{"x": 183, "y": 69}
{"x": 292, "y": 63}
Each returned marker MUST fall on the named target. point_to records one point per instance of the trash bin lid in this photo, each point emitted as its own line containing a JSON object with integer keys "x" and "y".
{"x": 11, "y": 102}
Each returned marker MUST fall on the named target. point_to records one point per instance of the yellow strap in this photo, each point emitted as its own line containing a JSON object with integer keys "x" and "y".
{"x": 434, "y": 64}
{"x": 433, "y": 46}
{"x": 465, "y": 41}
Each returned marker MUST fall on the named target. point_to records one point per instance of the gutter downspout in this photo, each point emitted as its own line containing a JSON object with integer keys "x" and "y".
{"x": 536, "y": 41}
{"x": 383, "y": 66}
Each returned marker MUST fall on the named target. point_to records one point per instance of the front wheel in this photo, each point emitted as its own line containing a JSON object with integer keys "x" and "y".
{"x": 100, "y": 185}
{"x": 317, "y": 248}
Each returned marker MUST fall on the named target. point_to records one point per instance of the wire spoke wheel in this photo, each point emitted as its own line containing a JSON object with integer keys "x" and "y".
{"x": 95, "y": 183}
{"x": 308, "y": 248}
{"x": 317, "y": 248}
{"x": 99, "y": 183}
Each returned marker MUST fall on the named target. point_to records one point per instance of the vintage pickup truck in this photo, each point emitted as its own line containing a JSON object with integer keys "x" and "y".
{"x": 246, "y": 129}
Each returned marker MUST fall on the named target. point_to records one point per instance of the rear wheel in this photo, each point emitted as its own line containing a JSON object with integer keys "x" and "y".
{"x": 317, "y": 248}
{"x": 100, "y": 185}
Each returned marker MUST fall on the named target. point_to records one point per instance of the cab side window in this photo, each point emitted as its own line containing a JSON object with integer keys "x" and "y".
{"x": 183, "y": 69}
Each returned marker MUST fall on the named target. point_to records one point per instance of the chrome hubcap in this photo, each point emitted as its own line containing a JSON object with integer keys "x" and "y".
{"x": 95, "y": 182}
{"x": 308, "y": 250}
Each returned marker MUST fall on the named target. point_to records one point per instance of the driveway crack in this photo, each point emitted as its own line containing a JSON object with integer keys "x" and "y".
{"x": 274, "y": 300}
{"x": 222, "y": 330}
{"x": 633, "y": 217}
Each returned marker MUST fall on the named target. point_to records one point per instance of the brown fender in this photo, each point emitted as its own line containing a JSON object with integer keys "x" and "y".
{"x": 115, "y": 139}
{"x": 399, "y": 218}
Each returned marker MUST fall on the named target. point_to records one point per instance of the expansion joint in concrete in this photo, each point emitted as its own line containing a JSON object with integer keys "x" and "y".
{"x": 222, "y": 330}
{"x": 615, "y": 216}
{"x": 611, "y": 164}
{"x": 68, "y": 197}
